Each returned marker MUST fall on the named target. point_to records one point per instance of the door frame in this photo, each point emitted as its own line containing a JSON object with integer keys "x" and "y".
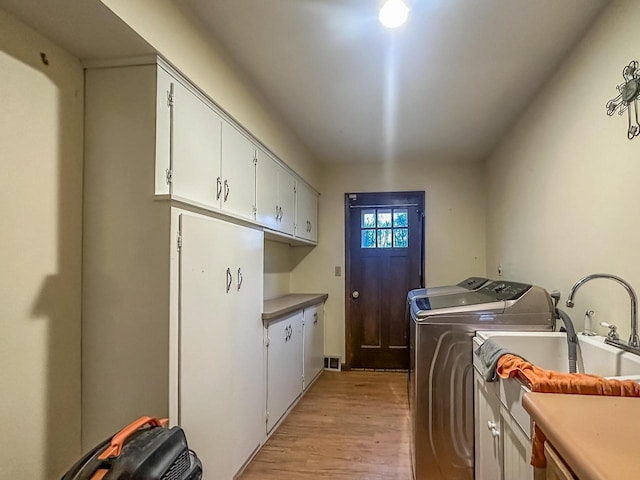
{"x": 347, "y": 255}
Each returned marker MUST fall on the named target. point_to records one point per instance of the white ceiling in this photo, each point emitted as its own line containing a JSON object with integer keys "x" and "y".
{"x": 88, "y": 29}
{"x": 446, "y": 86}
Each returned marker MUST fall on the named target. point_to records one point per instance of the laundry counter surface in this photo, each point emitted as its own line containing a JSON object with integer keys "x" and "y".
{"x": 596, "y": 436}
{"x": 280, "y": 306}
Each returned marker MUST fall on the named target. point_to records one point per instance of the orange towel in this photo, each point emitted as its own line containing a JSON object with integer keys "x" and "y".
{"x": 548, "y": 381}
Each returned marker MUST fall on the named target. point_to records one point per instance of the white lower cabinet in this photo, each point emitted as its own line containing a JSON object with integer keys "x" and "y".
{"x": 284, "y": 365}
{"x": 502, "y": 447}
{"x": 488, "y": 451}
{"x": 221, "y": 362}
{"x": 295, "y": 358}
{"x": 516, "y": 449}
{"x": 313, "y": 334}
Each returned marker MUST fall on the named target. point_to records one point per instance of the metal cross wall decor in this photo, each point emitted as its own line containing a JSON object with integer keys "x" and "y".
{"x": 629, "y": 92}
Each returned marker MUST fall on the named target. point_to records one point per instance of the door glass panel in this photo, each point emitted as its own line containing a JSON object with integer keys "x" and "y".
{"x": 384, "y": 218}
{"x": 368, "y": 239}
{"x": 384, "y": 237}
{"x": 384, "y": 228}
{"x": 400, "y": 218}
{"x": 368, "y": 219}
{"x": 400, "y": 237}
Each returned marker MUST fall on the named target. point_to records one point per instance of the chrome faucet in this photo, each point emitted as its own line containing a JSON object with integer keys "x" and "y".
{"x": 634, "y": 340}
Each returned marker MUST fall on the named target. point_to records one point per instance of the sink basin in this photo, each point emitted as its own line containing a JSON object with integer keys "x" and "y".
{"x": 548, "y": 350}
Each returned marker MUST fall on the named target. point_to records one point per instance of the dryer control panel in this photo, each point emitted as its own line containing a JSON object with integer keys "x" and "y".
{"x": 505, "y": 290}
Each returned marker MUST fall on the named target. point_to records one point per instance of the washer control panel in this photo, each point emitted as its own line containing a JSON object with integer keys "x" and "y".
{"x": 505, "y": 290}
{"x": 473, "y": 283}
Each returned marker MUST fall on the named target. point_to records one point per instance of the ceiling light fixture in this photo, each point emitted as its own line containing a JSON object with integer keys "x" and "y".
{"x": 393, "y": 13}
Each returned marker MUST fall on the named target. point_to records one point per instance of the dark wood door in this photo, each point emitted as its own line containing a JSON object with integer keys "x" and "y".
{"x": 384, "y": 239}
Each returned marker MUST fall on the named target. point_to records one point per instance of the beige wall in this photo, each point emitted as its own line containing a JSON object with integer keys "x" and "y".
{"x": 277, "y": 269}
{"x": 563, "y": 185}
{"x": 455, "y": 230}
{"x": 40, "y": 252}
{"x": 192, "y": 51}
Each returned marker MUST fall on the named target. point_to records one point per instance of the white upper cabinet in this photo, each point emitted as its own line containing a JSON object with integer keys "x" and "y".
{"x": 163, "y": 131}
{"x": 203, "y": 158}
{"x": 275, "y": 195}
{"x": 306, "y": 213}
{"x": 286, "y": 201}
{"x": 196, "y": 140}
{"x": 238, "y": 172}
{"x": 267, "y": 208}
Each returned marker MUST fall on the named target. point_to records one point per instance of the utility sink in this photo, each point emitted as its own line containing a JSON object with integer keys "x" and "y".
{"x": 548, "y": 350}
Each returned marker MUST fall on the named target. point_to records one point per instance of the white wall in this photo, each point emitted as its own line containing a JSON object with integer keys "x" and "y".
{"x": 40, "y": 254}
{"x": 181, "y": 41}
{"x": 562, "y": 186}
{"x": 277, "y": 269}
{"x": 455, "y": 229}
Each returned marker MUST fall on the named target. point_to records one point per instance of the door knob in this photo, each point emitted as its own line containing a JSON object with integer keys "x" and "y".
{"x": 355, "y": 294}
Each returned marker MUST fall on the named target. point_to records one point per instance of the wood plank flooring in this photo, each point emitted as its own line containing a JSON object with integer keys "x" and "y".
{"x": 350, "y": 425}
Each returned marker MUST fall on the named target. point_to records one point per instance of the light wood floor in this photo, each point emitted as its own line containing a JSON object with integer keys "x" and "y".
{"x": 350, "y": 425}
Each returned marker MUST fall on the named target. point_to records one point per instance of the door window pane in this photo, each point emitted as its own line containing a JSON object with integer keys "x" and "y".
{"x": 400, "y": 218}
{"x": 384, "y": 228}
{"x": 368, "y": 219}
{"x": 384, "y": 237}
{"x": 384, "y": 218}
{"x": 400, "y": 237}
{"x": 368, "y": 239}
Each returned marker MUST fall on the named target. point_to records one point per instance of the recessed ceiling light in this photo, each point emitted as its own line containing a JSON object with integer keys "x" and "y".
{"x": 393, "y": 13}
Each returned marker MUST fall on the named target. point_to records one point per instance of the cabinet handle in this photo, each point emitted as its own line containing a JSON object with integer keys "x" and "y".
{"x": 493, "y": 428}
{"x": 315, "y": 318}
{"x": 229, "y": 279}
{"x": 281, "y": 214}
{"x": 277, "y": 213}
{"x": 288, "y": 331}
{"x": 226, "y": 190}
{"x": 218, "y": 188}
{"x": 240, "y": 278}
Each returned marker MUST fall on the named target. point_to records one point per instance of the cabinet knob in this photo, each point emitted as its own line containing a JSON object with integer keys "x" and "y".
{"x": 355, "y": 294}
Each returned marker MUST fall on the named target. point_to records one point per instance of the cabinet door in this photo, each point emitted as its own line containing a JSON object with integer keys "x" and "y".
{"x": 248, "y": 398}
{"x": 286, "y": 200}
{"x": 196, "y": 148}
{"x": 267, "y": 207}
{"x": 313, "y": 343}
{"x": 488, "y": 458}
{"x": 163, "y": 131}
{"x": 284, "y": 366}
{"x": 516, "y": 449}
{"x": 306, "y": 212}
{"x": 238, "y": 172}
{"x": 206, "y": 349}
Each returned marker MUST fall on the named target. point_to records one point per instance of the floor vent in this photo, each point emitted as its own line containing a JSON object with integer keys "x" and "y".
{"x": 332, "y": 363}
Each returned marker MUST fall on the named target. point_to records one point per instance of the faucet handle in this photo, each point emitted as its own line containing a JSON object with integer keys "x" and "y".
{"x": 555, "y": 296}
{"x": 613, "y": 331}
